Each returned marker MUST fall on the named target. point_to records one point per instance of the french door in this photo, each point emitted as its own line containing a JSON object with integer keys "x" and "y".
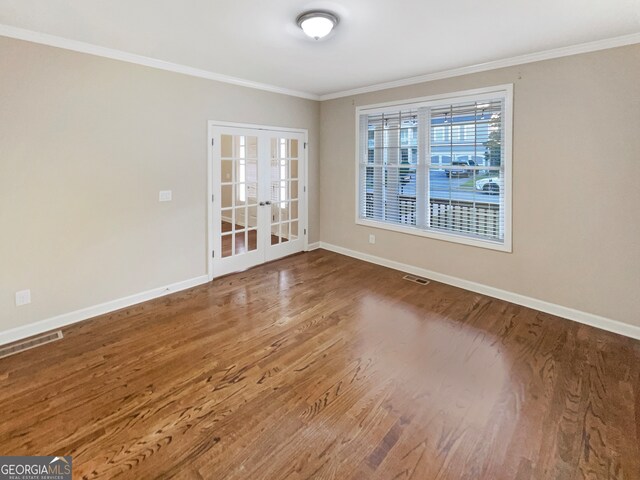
{"x": 258, "y": 196}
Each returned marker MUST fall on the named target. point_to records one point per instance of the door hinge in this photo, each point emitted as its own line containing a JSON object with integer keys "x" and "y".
{"x": 305, "y": 145}
{"x": 212, "y": 142}
{"x": 213, "y": 254}
{"x": 304, "y": 189}
{"x": 305, "y": 231}
{"x": 213, "y": 198}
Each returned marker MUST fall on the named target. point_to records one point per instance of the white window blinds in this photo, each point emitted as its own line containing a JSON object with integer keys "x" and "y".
{"x": 389, "y": 168}
{"x": 438, "y": 168}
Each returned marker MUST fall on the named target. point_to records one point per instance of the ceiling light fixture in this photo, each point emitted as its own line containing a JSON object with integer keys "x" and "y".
{"x": 317, "y": 24}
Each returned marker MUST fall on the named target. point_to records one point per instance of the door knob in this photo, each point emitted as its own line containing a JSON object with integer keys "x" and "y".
{"x": 267, "y": 202}
{"x": 261, "y": 204}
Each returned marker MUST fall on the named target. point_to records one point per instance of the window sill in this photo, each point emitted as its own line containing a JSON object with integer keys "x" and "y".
{"x": 447, "y": 237}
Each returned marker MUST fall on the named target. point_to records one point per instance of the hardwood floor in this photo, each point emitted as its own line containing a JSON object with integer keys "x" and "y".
{"x": 319, "y": 366}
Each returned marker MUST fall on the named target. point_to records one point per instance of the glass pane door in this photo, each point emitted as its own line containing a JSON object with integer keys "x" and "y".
{"x": 258, "y": 197}
{"x": 238, "y": 223}
{"x": 285, "y": 167}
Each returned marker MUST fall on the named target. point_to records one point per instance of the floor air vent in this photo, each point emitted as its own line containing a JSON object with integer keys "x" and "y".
{"x": 414, "y": 279}
{"x": 30, "y": 343}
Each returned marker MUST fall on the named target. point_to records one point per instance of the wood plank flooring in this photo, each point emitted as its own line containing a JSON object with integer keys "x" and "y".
{"x": 319, "y": 366}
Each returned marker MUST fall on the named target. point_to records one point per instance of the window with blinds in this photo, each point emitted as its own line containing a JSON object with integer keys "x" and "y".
{"x": 439, "y": 168}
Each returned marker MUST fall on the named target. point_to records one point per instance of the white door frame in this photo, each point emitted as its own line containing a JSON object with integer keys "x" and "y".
{"x": 305, "y": 158}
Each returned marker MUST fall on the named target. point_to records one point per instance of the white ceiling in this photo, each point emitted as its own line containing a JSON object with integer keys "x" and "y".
{"x": 377, "y": 40}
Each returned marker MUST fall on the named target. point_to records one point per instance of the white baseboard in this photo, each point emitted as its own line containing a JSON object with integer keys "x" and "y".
{"x": 59, "y": 321}
{"x": 597, "y": 321}
{"x": 65, "y": 319}
{"x": 313, "y": 246}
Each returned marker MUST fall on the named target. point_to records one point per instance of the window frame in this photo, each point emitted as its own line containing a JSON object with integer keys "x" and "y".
{"x": 505, "y": 92}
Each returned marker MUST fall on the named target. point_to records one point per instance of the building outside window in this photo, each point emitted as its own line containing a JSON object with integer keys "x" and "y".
{"x": 439, "y": 167}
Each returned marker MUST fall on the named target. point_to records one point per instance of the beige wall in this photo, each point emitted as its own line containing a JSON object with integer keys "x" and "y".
{"x": 576, "y": 185}
{"x": 86, "y": 143}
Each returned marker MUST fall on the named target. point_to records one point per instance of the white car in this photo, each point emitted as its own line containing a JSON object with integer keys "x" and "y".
{"x": 489, "y": 185}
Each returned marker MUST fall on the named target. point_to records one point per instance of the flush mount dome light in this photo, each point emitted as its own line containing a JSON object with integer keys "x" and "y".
{"x": 317, "y": 24}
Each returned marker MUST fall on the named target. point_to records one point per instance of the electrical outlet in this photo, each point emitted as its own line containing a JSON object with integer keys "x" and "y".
{"x": 165, "y": 196}
{"x": 372, "y": 239}
{"x": 23, "y": 297}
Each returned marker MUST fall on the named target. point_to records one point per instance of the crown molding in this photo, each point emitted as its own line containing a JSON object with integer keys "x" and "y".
{"x": 482, "y": 67}
{"x": 77, "y": 46}
{"x": 82, "y": 47}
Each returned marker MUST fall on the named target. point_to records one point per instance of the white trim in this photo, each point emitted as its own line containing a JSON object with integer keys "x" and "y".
{"x": 444, "y": 236}
{"x": 210, "y": 202}
{"x": 507, "y": 126}
{"x": 312, "y": 246}
{"x": 505, "y": 92}
{"x": 305, "y": 191}
{"x": 255, "y": 126}
{"x": 83, "y": 47}
{"x": 483, "y": 67}
{"x": 579, "y": 316}
{"x": 65, "y": 319}
{"x": 486, "y": 93}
